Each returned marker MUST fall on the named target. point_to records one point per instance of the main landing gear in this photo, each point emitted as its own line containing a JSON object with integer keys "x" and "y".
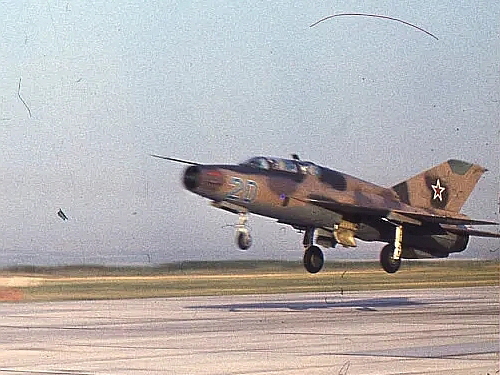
{"x": 313, "y": 256}
{"x": 390, "y": 256}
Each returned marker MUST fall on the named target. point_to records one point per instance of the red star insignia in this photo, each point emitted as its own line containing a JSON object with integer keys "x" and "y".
{"x": 438, "y": 190}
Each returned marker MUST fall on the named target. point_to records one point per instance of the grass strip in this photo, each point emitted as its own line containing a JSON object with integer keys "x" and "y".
{"x": 87, "y": 284}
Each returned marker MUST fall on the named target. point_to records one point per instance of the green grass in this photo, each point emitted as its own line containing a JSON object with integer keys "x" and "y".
{"x": 248, "y": 277}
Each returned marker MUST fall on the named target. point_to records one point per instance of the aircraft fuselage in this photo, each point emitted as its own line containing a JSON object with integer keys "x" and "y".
{"x": 283, "y": 195}
{"x": 338, "y": 208}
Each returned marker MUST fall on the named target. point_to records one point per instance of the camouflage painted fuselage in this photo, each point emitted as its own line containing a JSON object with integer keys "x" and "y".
{"x": 344, "y": 207}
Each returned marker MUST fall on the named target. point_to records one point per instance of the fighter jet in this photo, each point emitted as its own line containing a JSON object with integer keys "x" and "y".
{"x": 417, "y": 218}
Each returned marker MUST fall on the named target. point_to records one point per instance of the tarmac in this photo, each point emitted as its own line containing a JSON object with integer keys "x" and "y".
{"x": 425, "y": 331}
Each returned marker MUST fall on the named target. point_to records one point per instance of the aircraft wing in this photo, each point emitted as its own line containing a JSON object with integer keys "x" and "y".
{"x": 409, "y": 217}
{"x": 470, "y": 232}
{"x": 445, "y": 219}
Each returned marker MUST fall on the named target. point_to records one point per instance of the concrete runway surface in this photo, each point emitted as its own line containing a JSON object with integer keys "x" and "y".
{"x": 429, "y": 331}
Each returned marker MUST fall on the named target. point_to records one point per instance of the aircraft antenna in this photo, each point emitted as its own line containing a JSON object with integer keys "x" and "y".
{"x": 174, "y": 159}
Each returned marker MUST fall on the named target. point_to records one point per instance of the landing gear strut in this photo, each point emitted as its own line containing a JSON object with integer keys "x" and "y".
{"x": 313, "y": 256}
{"x": 243, "y": 237}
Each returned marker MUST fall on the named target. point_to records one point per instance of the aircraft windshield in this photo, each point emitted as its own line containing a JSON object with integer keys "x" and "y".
{"x": 258, "y": 162}
{"x": 286, "y": 165}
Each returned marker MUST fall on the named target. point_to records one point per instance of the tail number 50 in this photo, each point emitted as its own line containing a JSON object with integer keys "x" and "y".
{"x": 242, "y": 190}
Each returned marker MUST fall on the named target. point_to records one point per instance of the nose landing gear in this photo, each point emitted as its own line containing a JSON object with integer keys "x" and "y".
{"x": 243, "y": 240}
{"x": 243, "y": 237}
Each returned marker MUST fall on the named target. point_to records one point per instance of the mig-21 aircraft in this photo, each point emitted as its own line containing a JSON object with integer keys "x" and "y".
{"x": 417, "y": 218}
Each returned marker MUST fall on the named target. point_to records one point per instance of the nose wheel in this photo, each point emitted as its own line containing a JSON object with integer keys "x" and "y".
{"x": 244, "y": 240}
{"x": 243, "y": 237}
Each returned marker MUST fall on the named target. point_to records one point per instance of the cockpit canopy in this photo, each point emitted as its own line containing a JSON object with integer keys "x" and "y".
{"x": 285, "y": 165}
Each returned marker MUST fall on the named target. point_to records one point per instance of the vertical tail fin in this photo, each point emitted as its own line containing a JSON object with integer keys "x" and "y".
{"x": 445, "y": 186}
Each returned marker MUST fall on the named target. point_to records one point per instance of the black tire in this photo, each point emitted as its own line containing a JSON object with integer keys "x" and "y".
{"x": 389, "y": 264}
{"x": 313, "y": 259}
{"x": 244, "y": 240}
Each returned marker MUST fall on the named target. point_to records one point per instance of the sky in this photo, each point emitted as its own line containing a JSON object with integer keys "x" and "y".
{"x": 89, "y": 89}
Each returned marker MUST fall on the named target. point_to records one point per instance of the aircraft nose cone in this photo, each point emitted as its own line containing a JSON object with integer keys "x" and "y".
{"x": 191, "y": 178}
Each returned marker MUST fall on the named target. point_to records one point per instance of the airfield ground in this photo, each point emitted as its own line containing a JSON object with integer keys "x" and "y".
{"x": 234, "y": 278}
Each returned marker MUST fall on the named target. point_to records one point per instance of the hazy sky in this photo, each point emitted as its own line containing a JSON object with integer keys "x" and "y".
{"x": 108, "y": 83}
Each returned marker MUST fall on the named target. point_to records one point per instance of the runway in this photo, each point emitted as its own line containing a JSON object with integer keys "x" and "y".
{"x": 428, "y": 331}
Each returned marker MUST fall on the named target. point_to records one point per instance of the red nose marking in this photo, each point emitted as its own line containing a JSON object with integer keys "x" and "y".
{"x": 213, "y": 177}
